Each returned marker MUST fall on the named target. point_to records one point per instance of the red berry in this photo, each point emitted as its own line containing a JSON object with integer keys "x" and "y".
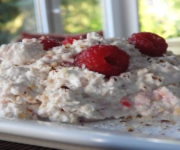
{"x": 49, "y": 43}
{"x": 149, "y": 43}
{"x": 105, "y": 59}
{"x": 125, "y": 102}
{"x": 70, "y": 39}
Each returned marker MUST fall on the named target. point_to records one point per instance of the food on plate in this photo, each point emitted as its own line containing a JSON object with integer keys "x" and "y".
{"x": 89, "y": 78}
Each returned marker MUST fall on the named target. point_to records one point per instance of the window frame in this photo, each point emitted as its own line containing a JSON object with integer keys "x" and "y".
{"x": 47, "y": 16}
{"x": 120, "y": 17}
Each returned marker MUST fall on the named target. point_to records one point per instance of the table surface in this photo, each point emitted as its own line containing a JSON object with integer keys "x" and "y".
{"x": 16, "y": 146}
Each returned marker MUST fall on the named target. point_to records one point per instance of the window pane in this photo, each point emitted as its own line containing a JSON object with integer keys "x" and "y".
{"x": 16, "y": 16}
{"x": 160, "y": 16}
{"x": 80, "y": 16}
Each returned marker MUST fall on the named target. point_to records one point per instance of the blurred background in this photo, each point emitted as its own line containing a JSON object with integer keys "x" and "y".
{"x": 116, "y": 18}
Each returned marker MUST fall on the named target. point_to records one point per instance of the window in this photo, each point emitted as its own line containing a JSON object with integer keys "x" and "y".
{"x": 80, "y": 16}
{"x": 16, "y": 16}
{"x": 68, "y": 16}
{"x": 161, "y": 17}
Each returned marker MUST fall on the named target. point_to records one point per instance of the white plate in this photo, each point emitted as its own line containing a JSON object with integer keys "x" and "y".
{"x": 101, "y": 135}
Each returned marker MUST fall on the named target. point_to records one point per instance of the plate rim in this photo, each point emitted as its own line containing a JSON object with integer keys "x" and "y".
{"x": 84, "y": 136}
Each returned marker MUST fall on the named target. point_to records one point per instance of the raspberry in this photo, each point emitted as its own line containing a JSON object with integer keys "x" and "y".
{"x": 70, "y": 39}
{"x": 105, "y": 59}
{"x": 125, "y": 102}
{"x": 49, "y": 43}
{"x": 149, "y": 43}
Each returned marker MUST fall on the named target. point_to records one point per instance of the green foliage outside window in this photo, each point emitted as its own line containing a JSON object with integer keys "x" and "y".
{"x": 81, "y": 16}
{"x": 8, "y": 11}
{"x": 15, "y": 16}
{"x": 160, "y": 16}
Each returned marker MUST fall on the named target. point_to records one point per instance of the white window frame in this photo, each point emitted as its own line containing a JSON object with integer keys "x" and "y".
{"x": 47, "y": 16}
{"x": 120, "y": 17}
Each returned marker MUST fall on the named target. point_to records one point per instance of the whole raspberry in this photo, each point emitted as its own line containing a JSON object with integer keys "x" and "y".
{"x": 49, "y": 43}
{"x": 149, "y": 43}
{"x": 105, "y": 59}
{"x": 70, "y": 39}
